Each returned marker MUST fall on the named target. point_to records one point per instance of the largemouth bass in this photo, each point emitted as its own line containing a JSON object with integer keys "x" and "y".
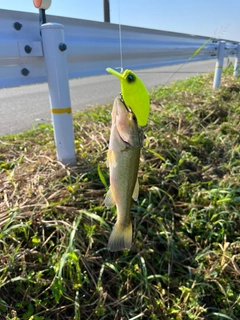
{"x": 123, "y": 161}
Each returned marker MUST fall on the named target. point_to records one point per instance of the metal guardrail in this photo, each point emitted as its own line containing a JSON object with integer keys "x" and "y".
{"x": 91, "y": 47}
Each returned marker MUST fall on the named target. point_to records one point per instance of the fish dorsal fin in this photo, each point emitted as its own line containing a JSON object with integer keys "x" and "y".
{"x": 136, "y": 191}
{"x": 109, "y": 200}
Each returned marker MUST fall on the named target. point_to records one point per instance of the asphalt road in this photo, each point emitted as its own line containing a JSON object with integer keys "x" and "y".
{"x": 24, "y": 107}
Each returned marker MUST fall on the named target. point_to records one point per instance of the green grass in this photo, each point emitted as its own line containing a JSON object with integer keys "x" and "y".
{"x": 185, "y": 259}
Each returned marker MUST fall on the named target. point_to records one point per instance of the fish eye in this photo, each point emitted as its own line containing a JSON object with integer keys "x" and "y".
{"x": 130, "y": 78}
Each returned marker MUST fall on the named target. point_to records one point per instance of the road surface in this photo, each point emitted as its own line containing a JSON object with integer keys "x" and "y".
{"x": 24, "y": 107}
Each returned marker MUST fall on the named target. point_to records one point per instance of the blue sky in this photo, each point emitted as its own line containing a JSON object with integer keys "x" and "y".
{"x": 211, "y": 18}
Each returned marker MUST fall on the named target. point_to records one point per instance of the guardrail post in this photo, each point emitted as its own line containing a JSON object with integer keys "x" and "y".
{"x": 219, "y": 65}
{"x": 237, "y": 61}
{"x": 59, "y": 95}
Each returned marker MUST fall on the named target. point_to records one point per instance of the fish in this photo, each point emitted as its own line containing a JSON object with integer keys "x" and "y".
{"x": 134, "y": 93}
{"x": 123, "y": 161}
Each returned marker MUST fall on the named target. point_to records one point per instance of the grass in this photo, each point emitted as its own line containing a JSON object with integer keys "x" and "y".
{"x": 185, "y": 259}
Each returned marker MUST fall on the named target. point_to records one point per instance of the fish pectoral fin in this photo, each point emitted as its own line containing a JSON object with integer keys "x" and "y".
{"x": 109, "y": 199}
{"x": 111, "y": 158}
{"x": 120, "y": 238}
{"x": 136, "y": 191}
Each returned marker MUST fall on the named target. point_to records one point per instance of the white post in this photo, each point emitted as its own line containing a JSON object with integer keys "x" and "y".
{"x": 219, "y": 65}
{"x": 59, "y": 95}
{"x": 237, "y": 61}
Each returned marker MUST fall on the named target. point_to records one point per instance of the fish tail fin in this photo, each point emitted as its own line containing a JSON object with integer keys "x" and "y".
{"x": 120, "y": 238}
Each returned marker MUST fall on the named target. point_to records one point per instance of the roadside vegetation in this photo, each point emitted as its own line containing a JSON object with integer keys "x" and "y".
{"x": 185, "y": 259}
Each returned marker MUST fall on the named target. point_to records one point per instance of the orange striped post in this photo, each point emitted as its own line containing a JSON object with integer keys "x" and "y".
{"x": 54, "y": 49}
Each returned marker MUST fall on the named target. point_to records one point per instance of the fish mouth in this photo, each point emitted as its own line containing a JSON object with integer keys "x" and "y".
{"x": 123, "y": 102}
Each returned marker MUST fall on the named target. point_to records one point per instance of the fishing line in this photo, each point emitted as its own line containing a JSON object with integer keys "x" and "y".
{"x": 120, "y": 37}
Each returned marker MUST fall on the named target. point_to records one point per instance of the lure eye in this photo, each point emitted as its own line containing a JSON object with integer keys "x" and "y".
{"x": 134, "y": 118}
{"x": 130, "y": 78}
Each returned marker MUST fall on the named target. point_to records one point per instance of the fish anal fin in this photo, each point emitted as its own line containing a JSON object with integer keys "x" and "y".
{"x": 136, "y": 191}
{"x": 109, "y": 199}
{"x": 120, "y": 238}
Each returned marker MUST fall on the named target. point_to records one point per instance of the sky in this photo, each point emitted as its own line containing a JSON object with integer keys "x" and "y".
{"x": 209, "y": 18}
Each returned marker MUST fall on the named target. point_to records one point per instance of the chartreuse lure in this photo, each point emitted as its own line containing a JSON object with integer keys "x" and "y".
{"x": 134, "y": 94}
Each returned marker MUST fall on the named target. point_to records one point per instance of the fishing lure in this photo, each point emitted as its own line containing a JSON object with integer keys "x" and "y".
{"x": 134, "y": 94}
